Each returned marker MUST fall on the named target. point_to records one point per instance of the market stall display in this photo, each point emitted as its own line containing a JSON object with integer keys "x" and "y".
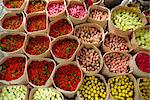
{"x": 74, "y": 50}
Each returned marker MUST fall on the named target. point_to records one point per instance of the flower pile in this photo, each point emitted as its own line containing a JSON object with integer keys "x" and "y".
{"x": 11, "y": 43}
{"x": 35, "y": 6}
{"x": 36, "y": 23}
{"x": 65, "y": 48}
{"x": 39, "y": 72}
{"x": 126, "y": 20}
{"x": 55, "y": 8}
{"x": 77, "y": 11}
{"x": 67, "y": 77}
{"x": 89, "y": 59}
{"x": 144, "y": 88}
{"x": 46, "y": 94}
{"x": 61, "y": 27}
{"x": 14, "y": 3}
{"x": 93, "y": 88}
{"x": 122, "y": 87}
{"x": 98, "y": 15}
{"x": 37, "y": 45}
{"x": 116, "y": 43}
{"x": 13, "y": 22}
{"x": 117, "y": 62}
{"x": 12, "y": 68}
{"x": 17, "y": 92}
{"x": 143, "y": 62}
{"x": 88, "y": 34}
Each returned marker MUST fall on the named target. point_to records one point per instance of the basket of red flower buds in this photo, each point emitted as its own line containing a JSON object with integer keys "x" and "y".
{"x": 13, "y": 68}
{"x": 67, "y": 78}
{"x": 13, "y": 21}
{"x": 114, "y": 42}
{"x": 56, "y": 9}
{"x": 12, "y": 42}
{"x": 123, "y": 87}
{"x": 14, "y": 92}
{"x": 89, "y": 59}
{"x": 141, "y": 39}
{"x": 141, "y": 64}
{"x": 94, "y": 87}
{"x": 64, "y": 48}
{"x": 117, "y": 63}
{"x": 99, "y": 14}
{"x": 125, "y": 20}
{"x": 40, "y": 72}
{"x": 36, "y": 23}
{"x": 143, "y": 88}
{"x": 77, "y": 12}
{"x": 89, "y": 33}
{"x": 14, "y": 5}
{"x": 45, "y": 94}
{"x": 33, "y": 6}
{"x": 37, "y": 45}
{"x": 59, "y": 27}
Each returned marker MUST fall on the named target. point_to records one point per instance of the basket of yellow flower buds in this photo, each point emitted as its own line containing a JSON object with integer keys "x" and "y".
{"x": 141, "y": 39}
{"x": 124, "y": 20}
{"x": 144, "y": 88}
{"x": 123, "y": 87}
{"x": 94, "y": 87}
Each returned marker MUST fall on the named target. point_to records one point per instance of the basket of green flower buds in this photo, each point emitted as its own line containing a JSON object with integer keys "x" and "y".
{"x": 123, "y": 87}
{"x": 94, "y": 87}
{"x": 141, "y": 39}
{"x": 14, "y": 92}
{"x": 45, "y": 94}
{"x": 143, "y": 88}
{"x": 124, "y": 20}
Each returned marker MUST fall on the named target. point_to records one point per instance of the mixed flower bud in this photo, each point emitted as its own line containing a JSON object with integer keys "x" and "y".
{"x": 117, "y": 62}
{"x": 89, "y": 59}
